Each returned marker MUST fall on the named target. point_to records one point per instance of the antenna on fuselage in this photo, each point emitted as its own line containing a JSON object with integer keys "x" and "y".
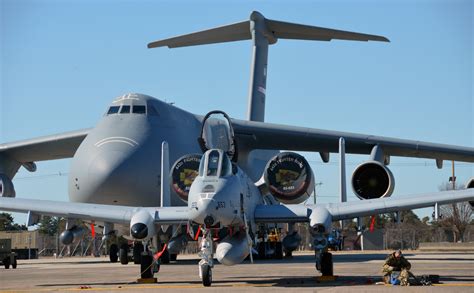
{"x": 263, "y": 32}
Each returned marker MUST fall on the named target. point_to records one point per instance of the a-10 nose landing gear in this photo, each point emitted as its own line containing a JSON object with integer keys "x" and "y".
{"x": 207, "y": 259}
{"x": 324, "y": 262}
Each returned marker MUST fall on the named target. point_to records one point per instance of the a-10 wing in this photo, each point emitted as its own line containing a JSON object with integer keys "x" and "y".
{"x": 92, "y": 212}
{"x": 260, "y": 135}
{"x": 263, "y": 213}
{"x": 350, "y": 210}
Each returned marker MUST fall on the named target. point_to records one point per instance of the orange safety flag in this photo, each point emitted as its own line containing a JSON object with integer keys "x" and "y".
{"x": 197, "y": 233}
{"x": 372, "y": 224}
{"x": 159, "y": 253}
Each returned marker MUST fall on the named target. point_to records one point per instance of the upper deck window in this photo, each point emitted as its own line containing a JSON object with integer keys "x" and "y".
{"x": 139, "y": 109}
{"x": 113, "y": 110}
{"x": 125, "y": 109}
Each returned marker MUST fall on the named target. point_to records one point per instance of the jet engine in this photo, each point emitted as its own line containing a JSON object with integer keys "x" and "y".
{"x": 470, "y": 184}
{"x": 183, "y": 173}
{"x": 372, "y": 180}
{"x": 6, "y": 187}
{"x": 142, "y": 225}
{"x": 232, "y": 249}
{"x": 68, "y": 236}
{"x": 289, "y": 178}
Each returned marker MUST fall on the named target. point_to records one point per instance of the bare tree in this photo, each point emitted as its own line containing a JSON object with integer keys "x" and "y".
{"x": 456, "y": 216}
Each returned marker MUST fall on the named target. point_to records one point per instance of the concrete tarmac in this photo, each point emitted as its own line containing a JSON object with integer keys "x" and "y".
{"x": 357, "y": 272}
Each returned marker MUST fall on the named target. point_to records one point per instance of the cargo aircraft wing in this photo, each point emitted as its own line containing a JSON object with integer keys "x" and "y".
{"x": 259, "y": 135}
{"x": 51, "y": 147}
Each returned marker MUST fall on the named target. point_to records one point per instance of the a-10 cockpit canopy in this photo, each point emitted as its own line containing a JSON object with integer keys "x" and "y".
{"x": 217, "y": 133}
{"x": 215, "y": 163}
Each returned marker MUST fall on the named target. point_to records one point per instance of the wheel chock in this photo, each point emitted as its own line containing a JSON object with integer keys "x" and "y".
{"x": 147, "y": 281}
{"x": 326, "y": 278}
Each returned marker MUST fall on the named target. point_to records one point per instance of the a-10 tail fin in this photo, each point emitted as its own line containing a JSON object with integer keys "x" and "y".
{"x": 263, "y": 32}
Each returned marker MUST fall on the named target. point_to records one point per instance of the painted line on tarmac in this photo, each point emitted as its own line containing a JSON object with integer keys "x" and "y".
{"x": 455, "y": 285}
{"x": 135, "y": 287}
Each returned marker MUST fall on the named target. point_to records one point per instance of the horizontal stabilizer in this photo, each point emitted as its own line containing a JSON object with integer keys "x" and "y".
{"x": 273, "y": 30}
{"x": 287, "y": 30}
{"x": 228, "y": 33}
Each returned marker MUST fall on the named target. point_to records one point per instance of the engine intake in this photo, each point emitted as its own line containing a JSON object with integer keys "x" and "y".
{"x": 183, "y": 173}
{"x": 372, "y": 180}
{"x": 289, "y": 178}
{"x": 142, "y": 225}
{"x": 6, "y": 187}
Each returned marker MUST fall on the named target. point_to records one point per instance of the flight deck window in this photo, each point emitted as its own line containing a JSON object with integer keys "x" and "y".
{"x": 113, "y": 110}
{"x": 125, "y": 110}
{"x": 139, "y": 109}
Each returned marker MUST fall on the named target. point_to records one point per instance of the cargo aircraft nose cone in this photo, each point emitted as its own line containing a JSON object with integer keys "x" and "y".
{"x": 139, "y": 231}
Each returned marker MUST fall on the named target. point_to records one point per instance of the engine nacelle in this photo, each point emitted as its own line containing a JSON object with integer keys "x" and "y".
{"x": 70, "y": 235}
{"x": 142, "y": 226}
{"x": 183, "y": 173}
{"x": 232, "y": 250}
{"x": 470, "y": 184}
{"x": 372, "y": 180}
{"x": 289, "y": 178}
{"x": 6, "y": 187}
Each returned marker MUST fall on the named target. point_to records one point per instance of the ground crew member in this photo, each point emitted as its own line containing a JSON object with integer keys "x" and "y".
{"x": 395, "y": 262}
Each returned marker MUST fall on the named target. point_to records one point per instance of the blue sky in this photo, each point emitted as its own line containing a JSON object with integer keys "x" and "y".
{"x": 62, "y": 63}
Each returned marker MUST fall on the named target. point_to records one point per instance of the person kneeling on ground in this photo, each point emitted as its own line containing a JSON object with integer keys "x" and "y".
{"x": 395, "y": 262}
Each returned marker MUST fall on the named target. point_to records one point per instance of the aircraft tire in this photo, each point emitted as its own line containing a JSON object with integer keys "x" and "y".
{"x": 327, "y": 264}
{"x": 123, "y": 254}
{"x": 173, "y": 257}
{"x": 278, "y": 250}
{"x": 206, "y": 275}
{"x": 15, "y": 263}
{"x": 113, "y": 253}
{"x": 137, "y": 252}
{"x": 165, "y": 257}
{"x": 6, "y": 263}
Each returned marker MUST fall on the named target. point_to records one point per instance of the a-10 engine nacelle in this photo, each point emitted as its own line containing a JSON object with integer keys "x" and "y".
{"x": 183, "y": 173}
{"x": 372, "y": 180}
{"x": 470, "y": 184}
{"x": 142, "y": 226}
{"x": 289, "y": 178}
{"x": 6, "y": 187}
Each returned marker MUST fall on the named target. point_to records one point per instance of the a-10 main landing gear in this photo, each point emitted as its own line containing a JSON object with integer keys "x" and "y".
{"x": 207, "y": 259}
{"x": 323, "y": 258}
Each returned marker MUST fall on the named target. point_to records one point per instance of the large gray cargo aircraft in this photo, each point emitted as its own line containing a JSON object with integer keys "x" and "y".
{"x": 120, "y": 176}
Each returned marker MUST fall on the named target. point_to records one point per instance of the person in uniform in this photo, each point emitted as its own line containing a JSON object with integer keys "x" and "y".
{"x": 395, "y": 262}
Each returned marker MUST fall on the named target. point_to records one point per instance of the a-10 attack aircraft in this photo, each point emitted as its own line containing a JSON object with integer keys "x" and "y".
{"x": 121, "y": 181}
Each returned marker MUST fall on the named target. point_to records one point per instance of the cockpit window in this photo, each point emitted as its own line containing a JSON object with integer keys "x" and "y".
{"x": 125, "y": 109}
{"x": 212, "y": 163}
{"x": 139, "y": 109}
{"x": 113, "y": 110}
